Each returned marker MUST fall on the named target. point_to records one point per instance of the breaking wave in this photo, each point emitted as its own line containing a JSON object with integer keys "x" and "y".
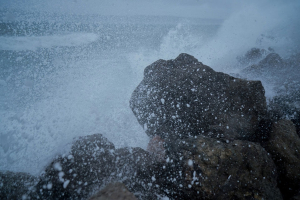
{"x": 19, "y": 43}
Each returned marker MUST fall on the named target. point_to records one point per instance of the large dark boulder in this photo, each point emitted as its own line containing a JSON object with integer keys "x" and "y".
{"x": 297, "y": 196}
{"x": 283, "y": 106}
{"x": 284, "y": 146}
{"x": 208, "y": 168}
{"x": 16, "y": 185}
{"x": 114, "y": 191}
{"x": 77, "y": 174}
{"x": 182, "y": 97}
{"x": 92, "y": 163}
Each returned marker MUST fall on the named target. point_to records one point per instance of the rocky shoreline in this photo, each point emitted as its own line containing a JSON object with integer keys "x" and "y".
{"x": 213, "y": 137}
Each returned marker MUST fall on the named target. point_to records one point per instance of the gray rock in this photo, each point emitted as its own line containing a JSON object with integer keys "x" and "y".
{"x": 297, "y": 196}
{"x": 92, "y": 163}
{"x": 252, "y": 56}
{"x": 16, "y": 185}
{"x": 88, "y": 166}
{"x": 284, "y": 146}
{"x": 283, "y": 76}
{"x": 182, "y": 97}
{"x": 208, "y": 168}
{"x": 114, "y": 191}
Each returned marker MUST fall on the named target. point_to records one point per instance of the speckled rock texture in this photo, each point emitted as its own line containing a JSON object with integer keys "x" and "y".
{"x": 284, "y": 146}
{"x": 208, "y": 168}
{"x": 114, "y": 191}
{"x": 16, "y": 185}
{"x": 182, "y": 97}
{"x": 92, "y": 163}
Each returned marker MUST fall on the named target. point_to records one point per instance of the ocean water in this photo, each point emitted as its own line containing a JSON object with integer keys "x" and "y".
{"x": 65, "y": 75}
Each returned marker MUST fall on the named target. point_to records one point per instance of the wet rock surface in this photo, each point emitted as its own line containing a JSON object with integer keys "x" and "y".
{"x": 283, "y": 75}
{"x": 16, "y": 185}
{"x": 92, "y": 163}
{"x": 115, "y": 191}
{"x": 284, "y": 146}
{"x": 297, "y": 196}
{"x": 182, "y": 97}
{"x": 76, "y": 175}
{"x": 207, "y": 168}
{"x": 253, "y": 55}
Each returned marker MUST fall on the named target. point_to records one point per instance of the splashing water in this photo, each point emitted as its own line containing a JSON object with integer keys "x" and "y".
{"x": 65, "y": 75}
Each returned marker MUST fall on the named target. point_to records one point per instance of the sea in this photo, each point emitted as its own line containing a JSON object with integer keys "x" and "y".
{"x": 68, "y": 75}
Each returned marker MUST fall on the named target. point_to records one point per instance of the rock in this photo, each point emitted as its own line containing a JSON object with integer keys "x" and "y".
{"x": 182, "y": 97}
{"x": 272, "y": 60}
{"x": 296, "y": 121}
{"x": 133, "y": 165}
{"x": 272, "y": 63}
{"x": 252, "y": 56}
{"x": 156, "y": 148}
{"x": 92, "y": 163}
{"x": 16, "y": 185}
{"x": 88, "y": 165}
{"x": 281, "y": 73}
{"x": 230, "y": 170}
{"x": 208, "y": 168}
{"x": 285, "y": 106}
{"x": 114, "y": 191}
{"x": 297, "y": 196}
{"x": 77, "y": 174}
{"x": 282, "y": 77}
{"x": 284, "y": 146}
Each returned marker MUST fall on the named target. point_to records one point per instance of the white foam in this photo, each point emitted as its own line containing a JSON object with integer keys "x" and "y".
{"x": 35, "y": 42}
{"x": 82, "y": 98}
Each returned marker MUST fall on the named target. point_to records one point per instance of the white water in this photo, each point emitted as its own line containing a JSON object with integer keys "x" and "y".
{"x": 69, "y": 84}
{"x": 34, "y": 42}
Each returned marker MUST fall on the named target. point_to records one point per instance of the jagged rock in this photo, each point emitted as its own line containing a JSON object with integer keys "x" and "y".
{"x": 182, "y": 97}
{"x": 296, "y": 121}
{"x": 283, "y": 73}
{"x": 252, "y": 56}
{"x": 283, "y": 106}
{"x": 272, "y": 60}
{"x": 114, "y": 191}
{"x": 74, "y": 176}
{"x": 272, "y": 63}
{"x": 284, "y": 146}
{"x": 282, "y": 76}
{"x": 92, "y": 163}
{"x": 229, "y": 170}
{"x": 156, "y": 148}
{"x": 297, "y": 196}
{"x": 16, "y": 185}
{"x": 208, "y": 168}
